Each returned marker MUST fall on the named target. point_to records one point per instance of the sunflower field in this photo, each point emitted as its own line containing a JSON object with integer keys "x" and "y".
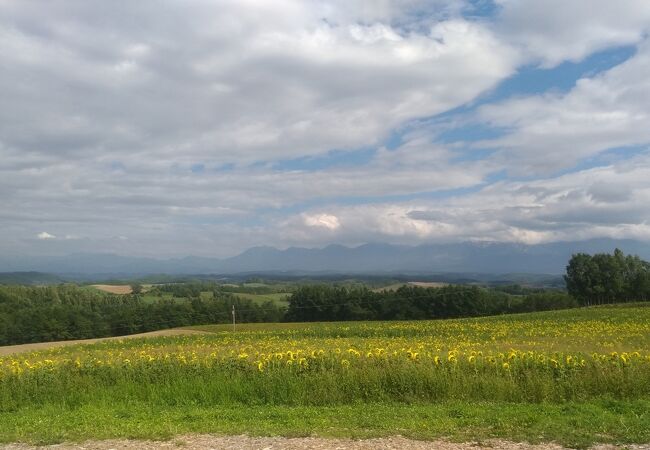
{"x": 529, "y": 358}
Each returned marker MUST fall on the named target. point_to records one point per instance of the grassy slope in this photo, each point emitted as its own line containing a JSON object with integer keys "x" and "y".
{"x": 119, "y": 412}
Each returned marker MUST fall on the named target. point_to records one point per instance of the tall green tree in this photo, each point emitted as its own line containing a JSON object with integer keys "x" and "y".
{"x": 604, "y": 278}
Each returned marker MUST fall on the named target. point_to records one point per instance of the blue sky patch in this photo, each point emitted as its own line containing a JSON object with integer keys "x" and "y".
{"x": 333, "y": 158}
{"x": 535, "y": 80}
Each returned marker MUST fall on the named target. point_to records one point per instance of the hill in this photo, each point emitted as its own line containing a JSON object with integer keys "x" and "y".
{"x": 29, "y": 278}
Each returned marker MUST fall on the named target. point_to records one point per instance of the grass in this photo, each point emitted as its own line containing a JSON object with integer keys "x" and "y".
{"x": 575, "y": 377}
{"x": 572, "y": 424}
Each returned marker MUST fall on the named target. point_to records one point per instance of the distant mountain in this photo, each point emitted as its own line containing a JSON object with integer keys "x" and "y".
{"x": 466, "y": 257}
{"x": 36, "y": 278}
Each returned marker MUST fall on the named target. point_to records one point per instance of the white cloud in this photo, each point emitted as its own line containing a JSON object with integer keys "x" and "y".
{"x": 553, "y": 31}
{"x": 44, "y": 235}
{"x": 322, "y": 220}
{"x": 232, "y": 81}
{"x": 551, "y": 132}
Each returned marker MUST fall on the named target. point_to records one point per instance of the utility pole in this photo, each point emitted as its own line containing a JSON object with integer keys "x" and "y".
{"x": 233, "y": 318}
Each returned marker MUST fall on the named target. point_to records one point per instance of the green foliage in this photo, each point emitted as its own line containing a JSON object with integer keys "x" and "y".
{"x": 33, "y": 278}
{"x": 279, "y": 299}
{"x": 42, "y": 314}
{"x": 333, "y": 303}
{"x": 604, "y": 278}
{"x": 194, "y": 288}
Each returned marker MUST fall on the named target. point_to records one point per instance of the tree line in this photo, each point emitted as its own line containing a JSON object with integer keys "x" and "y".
{"x": 603, "y": 278}
{"x": 331, "y": 303}
{"x": 41, "y": 314}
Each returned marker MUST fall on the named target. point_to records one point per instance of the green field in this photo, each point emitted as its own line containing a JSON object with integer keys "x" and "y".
{"x": 279, "y": 298}
{"x": 575, "y": 377}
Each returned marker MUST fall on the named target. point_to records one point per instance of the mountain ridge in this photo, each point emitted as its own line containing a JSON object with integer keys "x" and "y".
{"x": 377, "y": 257}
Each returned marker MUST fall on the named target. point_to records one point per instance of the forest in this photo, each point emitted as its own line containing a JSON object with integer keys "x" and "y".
{"x": 66, "y": 311}
{"x": 330, "y": 303}
{"x": 40, "y": 314}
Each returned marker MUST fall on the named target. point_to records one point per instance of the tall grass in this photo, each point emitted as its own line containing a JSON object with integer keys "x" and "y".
{"x": 229, "y": 384}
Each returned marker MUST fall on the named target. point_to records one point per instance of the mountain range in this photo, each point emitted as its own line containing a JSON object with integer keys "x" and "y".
{"x": 372, "y": 258}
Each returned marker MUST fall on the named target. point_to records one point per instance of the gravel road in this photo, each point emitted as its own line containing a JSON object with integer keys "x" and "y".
{"x": 206, "y": 441}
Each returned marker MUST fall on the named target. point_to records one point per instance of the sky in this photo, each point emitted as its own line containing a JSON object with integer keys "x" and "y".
{"x": 168, "y": 128}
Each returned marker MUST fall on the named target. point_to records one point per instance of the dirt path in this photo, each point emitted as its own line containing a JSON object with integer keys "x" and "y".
{"x": 11, "y": 349}
{"x": 205, "y": 441}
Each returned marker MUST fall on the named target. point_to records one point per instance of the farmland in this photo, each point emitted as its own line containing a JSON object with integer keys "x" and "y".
{"x": 575, "y": 376}
{"x": 396, "y": 286}
{"x": 113, "y": 289}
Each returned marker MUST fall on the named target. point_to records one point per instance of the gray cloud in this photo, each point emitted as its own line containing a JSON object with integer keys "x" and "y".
{"x": 555, "y": 30}
{"x": 560, "y": 208}
{"x": 609, "y": 193}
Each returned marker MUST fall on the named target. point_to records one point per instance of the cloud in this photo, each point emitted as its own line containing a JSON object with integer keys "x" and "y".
{"x": 609, "y": 193}
{"x": 556, "y": 30}
{"x": 322, "y": 220}
{"x": 551, "y": 132}
{"x": 232, "y": 82}
{"x": 581, "y": 205}
{"x": 162, "y": 129}
{"x": 44, "y": 235}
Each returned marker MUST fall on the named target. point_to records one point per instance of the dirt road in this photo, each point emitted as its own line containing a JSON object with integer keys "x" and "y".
{"x": 11, "y": 349}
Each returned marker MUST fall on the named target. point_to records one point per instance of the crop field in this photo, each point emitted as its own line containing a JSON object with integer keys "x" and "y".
{"x": 120, "y": 289}
{"x": 113, "y": 288}
{"x": 575, "y": 377}
{"x": 396, "y": 286}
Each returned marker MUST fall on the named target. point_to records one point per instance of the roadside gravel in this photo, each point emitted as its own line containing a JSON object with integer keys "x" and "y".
{"x": 206, "y": 441}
